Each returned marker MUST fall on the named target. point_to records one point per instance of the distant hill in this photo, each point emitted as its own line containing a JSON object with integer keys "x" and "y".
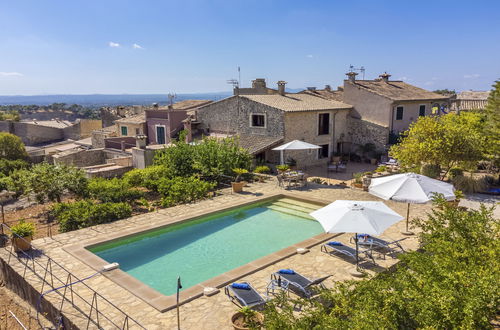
{"x": 99, "y": 100}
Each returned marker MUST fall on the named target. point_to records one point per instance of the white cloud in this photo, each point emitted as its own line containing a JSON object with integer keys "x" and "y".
{"x": 11, "y": 74}
{"x": 309, "y": 56}
{"x": 136, "y": 46}
{"x": 471, "y": 76}
{"x": 429, "y": 83}
{"x": 113, "y": 44}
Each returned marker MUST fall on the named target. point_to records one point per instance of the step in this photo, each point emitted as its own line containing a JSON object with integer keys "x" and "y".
{"x": 290, "y": 212}
{"x": 296, "y": 207}
{"x": 297, "y": 202}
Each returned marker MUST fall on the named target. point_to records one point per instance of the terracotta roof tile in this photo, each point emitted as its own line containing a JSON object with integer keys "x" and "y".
{"x": 297, "y": 102}
{"x": 397, "y": 90}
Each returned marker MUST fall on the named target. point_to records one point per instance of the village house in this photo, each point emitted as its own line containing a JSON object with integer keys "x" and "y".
{"x": 263, "y": 119}
{"x": 382, "y": 108}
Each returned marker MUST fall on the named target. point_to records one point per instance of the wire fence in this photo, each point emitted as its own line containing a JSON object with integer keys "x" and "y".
{"x": 88, "y": 308}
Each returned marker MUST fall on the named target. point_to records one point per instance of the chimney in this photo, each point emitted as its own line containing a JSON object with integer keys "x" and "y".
{"x": 259, "y": 83}
{"x": 351, "y": 76}
{"x": 328, "y": 88}
{"x": 385, "y": 77}
{"x": 281, "y": 87}
{"x": 140, "y": 141}
{"x": 170, "y": 107}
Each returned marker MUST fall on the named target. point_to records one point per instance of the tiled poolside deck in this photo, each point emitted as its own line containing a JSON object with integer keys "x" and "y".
{"x": 212, "y": 312}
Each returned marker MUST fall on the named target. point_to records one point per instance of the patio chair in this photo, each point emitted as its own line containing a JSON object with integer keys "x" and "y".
{"x": 299, "y": 283}
{"x": 337, "y": 248}
{"x": 379, "y": 243}
{"x": 244, "y": 295}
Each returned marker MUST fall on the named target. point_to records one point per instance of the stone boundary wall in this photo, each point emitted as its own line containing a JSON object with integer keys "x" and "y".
{"x": 362, "y": 131}
{"x": 81, "y": 158}
{"x": 26, "y": 291}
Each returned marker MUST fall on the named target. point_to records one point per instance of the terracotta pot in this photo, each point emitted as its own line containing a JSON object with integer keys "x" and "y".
{"x": 454, "y": 203}
{"x": 358, "y": 185}
{"x": 21, "y": 244}
{"x": 238, "y": 186}
{"x": 336, "y": 159}
{"x": 237, "y": 320}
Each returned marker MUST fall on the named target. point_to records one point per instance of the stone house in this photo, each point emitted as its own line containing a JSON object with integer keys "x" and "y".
{"x": 382, "y": 106}
{"x": 131, "y": 126}
{"x": 263, "y": 121}
{"x": 469, "y": 100}
{"x": 164, "y": 123}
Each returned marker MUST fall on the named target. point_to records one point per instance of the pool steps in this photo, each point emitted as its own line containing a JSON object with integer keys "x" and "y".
{"x": 293, "y": 207}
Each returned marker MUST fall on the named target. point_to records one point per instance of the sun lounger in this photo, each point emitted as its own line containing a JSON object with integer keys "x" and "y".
{"x": 299, "y": 283}
{"x": 344, "y": 250}
{"x": 376, "y": 242}
{"x": 243, "y": 294}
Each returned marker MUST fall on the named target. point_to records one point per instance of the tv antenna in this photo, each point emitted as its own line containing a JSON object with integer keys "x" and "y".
{"x": 361, "y": 69}
{"x": 171, "y": 97}
{"x": 233, "y": 82}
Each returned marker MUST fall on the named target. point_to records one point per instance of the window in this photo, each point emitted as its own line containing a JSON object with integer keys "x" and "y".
{"x": 258, "y": 120}
{"x": 124, "y": 130}
{"x": 323, "y": 152}
{"x": 137, "y": 131}
{"x": 421, "y": 111}
{"x": 324, "y": 123}
{"x": 160, "y": 134}
{"x": 399, "y": 113}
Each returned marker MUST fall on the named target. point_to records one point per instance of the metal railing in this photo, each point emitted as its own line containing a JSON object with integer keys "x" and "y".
{"x": 56, "y": 278}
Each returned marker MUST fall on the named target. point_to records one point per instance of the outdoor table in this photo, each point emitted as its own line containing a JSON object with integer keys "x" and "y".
{"x": 277, "y": 284}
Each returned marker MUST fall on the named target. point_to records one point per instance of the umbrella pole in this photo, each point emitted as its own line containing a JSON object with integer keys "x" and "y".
{"x": 282, "y": 159}
{"x": 407, "y": 232}
{"x": 357, "y": 250}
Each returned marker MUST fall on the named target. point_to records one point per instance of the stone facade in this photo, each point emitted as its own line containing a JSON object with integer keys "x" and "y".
{"x": 232, "y": 115}
{"x": 362, "y": 131}
{"x": 80, "y": 158}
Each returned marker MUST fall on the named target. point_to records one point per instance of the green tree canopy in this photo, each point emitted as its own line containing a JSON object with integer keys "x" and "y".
{"x": 49, "y": 182}
{"x": 11, "y": 147}
{"x": 492, "y": 127}
{"x": 447, "y": 141}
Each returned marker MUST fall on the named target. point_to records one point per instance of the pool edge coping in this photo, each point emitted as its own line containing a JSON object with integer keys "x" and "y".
{"x": 164, "y": 303}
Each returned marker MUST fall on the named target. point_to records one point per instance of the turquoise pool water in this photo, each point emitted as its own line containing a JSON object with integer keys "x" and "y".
{"x": 204, "y": 248}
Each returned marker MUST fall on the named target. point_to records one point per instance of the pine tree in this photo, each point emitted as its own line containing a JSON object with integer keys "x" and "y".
{"x": 492, "y": 127}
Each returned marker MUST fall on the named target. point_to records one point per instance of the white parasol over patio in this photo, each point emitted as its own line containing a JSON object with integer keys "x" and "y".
{"x": 367, "y": 217}
{"x": 410, "y": 188}
{"x": 294, "y": 145}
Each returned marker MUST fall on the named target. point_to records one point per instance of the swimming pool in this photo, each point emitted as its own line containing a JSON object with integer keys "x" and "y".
{"x": 201, "y": 249}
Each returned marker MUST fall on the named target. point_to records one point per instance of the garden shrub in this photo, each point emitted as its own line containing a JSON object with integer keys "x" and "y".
{"x": 454, "y": 172}
{"x": 431, "y": 170}
{"x": 85, "y": 213}
{"x": 470, "y": 184}
{"x": 452, "y": 282}
{"x": 148, "y": 177}
{"x": 8, "y": 166}
{"x": 113, "y": 190}
{"x": 183, "y": 190}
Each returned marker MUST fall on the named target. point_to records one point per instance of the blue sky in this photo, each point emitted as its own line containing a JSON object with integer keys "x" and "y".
{"x": 80, "y": 47}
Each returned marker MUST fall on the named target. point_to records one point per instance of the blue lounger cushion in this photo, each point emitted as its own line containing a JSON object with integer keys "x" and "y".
{"x": 243, "y": 286}
{"x": 286, "y": 271}
{"x": 363, "y": 236}
{"x": 334, "y": 243}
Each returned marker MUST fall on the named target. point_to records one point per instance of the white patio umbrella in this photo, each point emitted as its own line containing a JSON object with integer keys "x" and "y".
{"x": 294, "y": 145}
{"x": 410, "y": 188}
{"x": 367, "y": 217}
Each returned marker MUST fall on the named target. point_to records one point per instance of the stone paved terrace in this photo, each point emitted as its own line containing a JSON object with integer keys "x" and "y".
{"x": 210, "y": 312}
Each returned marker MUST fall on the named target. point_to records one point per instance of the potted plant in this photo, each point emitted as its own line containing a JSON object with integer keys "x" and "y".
{"x": 282, "y": 168}
{"x": 291, "y": 162}
{"x": 22, "y": 234}
{"x": 261, "y": 170}
{"x": 237, "y": 184}
{"x": 247, "y": 318}
{"x": 358, "y": 180}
